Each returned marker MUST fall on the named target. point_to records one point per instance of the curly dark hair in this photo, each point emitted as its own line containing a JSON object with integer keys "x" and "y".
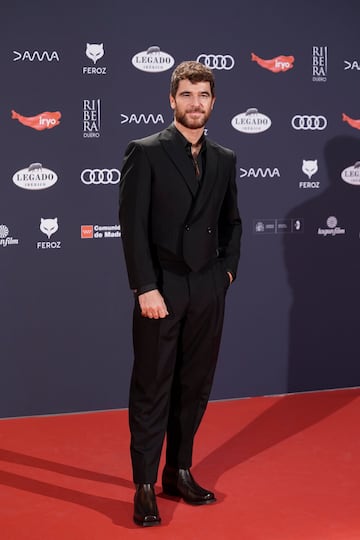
{"x": 193, "y": 71}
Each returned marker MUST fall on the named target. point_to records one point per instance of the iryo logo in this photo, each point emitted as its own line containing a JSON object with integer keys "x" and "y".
{"x": 276, "y": 65}
{"x": 44, "y": 120}
{"x": 351, "y": 121}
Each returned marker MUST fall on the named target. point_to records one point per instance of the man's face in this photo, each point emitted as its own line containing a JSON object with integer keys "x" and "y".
{"x": 192, "y": 104}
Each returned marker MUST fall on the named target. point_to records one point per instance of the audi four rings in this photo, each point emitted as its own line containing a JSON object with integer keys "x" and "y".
{"x": 311, "y": 122}
{"x": 216, "y": 61}
{"x": 100, "y": 176}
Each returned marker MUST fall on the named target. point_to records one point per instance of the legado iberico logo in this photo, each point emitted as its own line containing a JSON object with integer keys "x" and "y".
{"x": 35, "y": 177}
{"x": 153, "y": 60}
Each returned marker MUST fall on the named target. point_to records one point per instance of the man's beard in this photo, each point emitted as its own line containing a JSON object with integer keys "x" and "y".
{"x": 197, "y": 123}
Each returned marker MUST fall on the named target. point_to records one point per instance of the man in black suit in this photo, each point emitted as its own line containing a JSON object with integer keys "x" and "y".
{"x": 181, "y": 236}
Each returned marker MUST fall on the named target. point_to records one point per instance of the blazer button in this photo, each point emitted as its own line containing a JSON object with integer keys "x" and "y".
{"x": 209, "y": 230}
{"x": 187, "y": 228}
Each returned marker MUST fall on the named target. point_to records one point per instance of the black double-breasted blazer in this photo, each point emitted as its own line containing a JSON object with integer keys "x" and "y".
{"x": 162, "y": 208}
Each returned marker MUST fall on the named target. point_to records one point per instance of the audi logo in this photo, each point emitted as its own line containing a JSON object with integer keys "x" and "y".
{"x": 217, "y": 61}
{"x": 100, "y": 176}
{"x": 309, "y": 122}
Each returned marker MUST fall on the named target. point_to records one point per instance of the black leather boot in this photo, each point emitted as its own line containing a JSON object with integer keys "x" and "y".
{"x": 180, "y": 483}
{"x": 146, "y": 513}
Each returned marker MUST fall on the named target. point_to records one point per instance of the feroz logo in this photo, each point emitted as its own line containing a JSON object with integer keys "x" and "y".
{"x": 352, "y": 64}
{"x": 319, "y": 63}
{"x": 351, "y": 175}
{"x": 276, "y": 65}
{"x": 35, "y": 177}
{"x": 278, "y": 226}
{"x": 5, "y": 239}
{"x": 44, "y": 120}
{"x": 141, "y": 118}
{"x": 100, "y": 231}
{"x": 36, "y": 55}
{"x": 333, "y": 229}
{"x": 259, "y": 172}
{"x": 309, "y": 122}
{"x": 153, "y": 60}
{"x": 94, "y": 51}
{"x": 217, "y": 61}
{"x": 49, "y": 226}
{"x": 309, "y": 167}
{"x": 100, "y": 176}
{"x": 251, "y": 122}
{"x": 91, "y": 117}
{"x": 351, "y": 121}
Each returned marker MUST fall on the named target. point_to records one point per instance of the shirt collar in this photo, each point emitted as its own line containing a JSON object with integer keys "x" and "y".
{"x": 187, "y": 144}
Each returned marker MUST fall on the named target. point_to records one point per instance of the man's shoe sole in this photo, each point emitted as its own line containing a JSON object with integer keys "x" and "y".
{"x": 144, "y": 523}
{"x": 174, "y": 492}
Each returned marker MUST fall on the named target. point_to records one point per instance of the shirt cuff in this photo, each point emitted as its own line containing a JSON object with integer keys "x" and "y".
{"x": 232, "y": 275}
{"x": 145, "y": 288}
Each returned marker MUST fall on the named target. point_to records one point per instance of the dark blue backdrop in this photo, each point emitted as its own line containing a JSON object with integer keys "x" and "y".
{"x": 292, "y": 315}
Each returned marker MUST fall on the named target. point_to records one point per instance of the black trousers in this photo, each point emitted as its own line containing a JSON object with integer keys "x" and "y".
{"x": 174, "y": 366}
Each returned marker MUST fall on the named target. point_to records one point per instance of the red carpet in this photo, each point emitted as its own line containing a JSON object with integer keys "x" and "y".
{"x": 283, "y": 468}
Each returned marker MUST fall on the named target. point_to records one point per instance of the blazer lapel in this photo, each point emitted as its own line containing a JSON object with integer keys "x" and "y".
{"x": 176, "y": 154}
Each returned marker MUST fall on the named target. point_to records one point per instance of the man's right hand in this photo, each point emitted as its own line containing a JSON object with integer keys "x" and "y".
{"x": 152, "y": 305}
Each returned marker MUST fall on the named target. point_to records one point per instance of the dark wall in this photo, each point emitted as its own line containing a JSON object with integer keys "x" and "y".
{"x": 292, "y": 315}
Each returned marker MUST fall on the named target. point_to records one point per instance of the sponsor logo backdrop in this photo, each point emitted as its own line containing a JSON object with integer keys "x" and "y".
{"x": 81, "y": 80}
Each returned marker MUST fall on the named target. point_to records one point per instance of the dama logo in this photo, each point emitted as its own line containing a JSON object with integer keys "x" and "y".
{"x": 259, "y": 172}
{"x": 36, "y": 55}
{"x": 44, "y": 120}
{"x": 141, "y": 118}
{"x": 352, "y": 64}
{"x": 276, "y": 65}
